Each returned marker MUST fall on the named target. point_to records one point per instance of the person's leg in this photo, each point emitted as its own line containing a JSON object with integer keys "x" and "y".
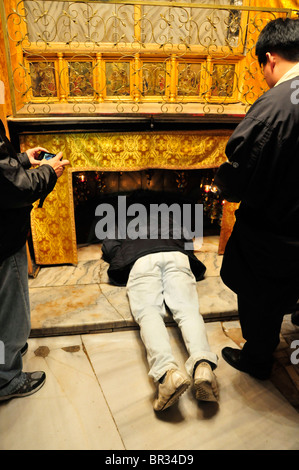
{"x": 14, "y": 319}
{"x": 181, "y": 296}
{"x": 145, "y": 293}
{"x": 260, "y": 318}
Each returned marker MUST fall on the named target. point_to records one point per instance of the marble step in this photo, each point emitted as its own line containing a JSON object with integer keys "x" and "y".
{"x": 79, "y": 299}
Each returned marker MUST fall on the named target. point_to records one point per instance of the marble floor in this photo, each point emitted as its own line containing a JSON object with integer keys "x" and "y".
{"x": 98, "y": 396}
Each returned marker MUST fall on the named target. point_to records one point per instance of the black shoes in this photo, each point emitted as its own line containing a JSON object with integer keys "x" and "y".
{"x": 234, "y": 358}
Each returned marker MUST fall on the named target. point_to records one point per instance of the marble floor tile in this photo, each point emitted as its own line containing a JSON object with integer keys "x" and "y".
{"x": 89, "y": 252}
{"x": 71, "y": 309}
{"x": 212, "y": 262}
{"x": 117, "y": 298}
{"x": 86, "y": 272}
{"x": 250, "y": 414}
{"x": 68, "y": 413}
{"x": 215, "y": 299}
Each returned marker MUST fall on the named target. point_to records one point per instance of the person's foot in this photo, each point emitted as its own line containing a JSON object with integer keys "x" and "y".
{"x": 33, "y": 382}
{"x": 173, "y": 386}
{"x": 205, "y": 384}
{"x": 234, "y": 358}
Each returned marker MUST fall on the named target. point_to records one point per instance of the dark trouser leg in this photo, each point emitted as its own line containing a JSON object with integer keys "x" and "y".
{"x": 14, "y": 319}
{"x": 260, "y": 318}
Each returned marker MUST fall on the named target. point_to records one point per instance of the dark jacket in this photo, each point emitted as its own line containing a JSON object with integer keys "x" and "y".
{"x": 263, "y": 166}
{"x": 121, "y": 254}
{"x": 263, "y": 173}
{"x": 19, "y": 189}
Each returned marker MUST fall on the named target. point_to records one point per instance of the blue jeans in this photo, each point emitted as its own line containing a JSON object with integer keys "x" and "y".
{"x": 166, "y": 278}
{"x": 14, "y": 320}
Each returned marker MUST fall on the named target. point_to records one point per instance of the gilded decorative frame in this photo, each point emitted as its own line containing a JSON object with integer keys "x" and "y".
{"x": 30, "y": 96}
{"x": 123, "y": 70}
{"x": 18, "y": 48}
{"x": 198, "y": 76}
{"x": 74, "y": 82}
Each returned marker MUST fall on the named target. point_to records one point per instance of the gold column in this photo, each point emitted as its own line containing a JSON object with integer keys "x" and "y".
{"x": 172, "y": 94}
{"x": 63, "y": 82}
{"x": 137, "y": 25}
{"x": 208, "y": 73}
{"x": 136, "y": 78}
{"x": 100, "y": 77}
{"x": 136, "y": 64}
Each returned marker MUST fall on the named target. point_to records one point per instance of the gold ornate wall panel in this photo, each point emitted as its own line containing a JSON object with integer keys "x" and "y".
{"x": 89, "y": 57}
{"x": 53, "y": 225}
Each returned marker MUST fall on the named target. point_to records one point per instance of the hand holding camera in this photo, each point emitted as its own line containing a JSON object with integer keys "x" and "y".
{"x": 55, "y": 161}
{"x": 46, "y": 155}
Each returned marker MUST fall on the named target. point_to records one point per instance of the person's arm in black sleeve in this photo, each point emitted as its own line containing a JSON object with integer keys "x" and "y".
{"x": 24, "y": 160}
{"x": 24, "y": 187}
{"x": 243, "y": 151}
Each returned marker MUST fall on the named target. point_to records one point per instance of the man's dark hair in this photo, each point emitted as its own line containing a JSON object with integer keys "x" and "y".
{"x": 280, "y": 36}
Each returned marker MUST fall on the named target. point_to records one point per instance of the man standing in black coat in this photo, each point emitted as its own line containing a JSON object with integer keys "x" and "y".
{"x": 20, "y": 187}
{"x": 261, "y": 260}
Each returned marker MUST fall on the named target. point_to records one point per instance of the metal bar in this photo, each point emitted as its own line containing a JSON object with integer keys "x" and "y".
{"x": 8, "y": 58}
{"x": 162, "y": 3}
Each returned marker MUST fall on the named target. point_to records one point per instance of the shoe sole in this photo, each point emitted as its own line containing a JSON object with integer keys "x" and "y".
{"x": 203, "y": 391}
{"x": 21, "y": 395}
{"x": 179, "y": 391}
